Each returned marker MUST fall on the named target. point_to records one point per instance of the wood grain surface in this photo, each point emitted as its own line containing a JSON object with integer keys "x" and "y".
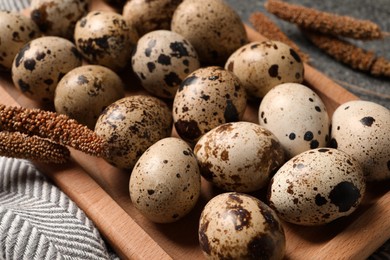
{"x": 101, "y": 191}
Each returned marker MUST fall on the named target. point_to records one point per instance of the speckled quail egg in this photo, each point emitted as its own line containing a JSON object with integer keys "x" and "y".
{"x": 162, "y": 60}
{"x": 104, "y": 38}
{"x": 262, "y": 65}
{"x": 15, "y": 31}
{"x": 148, "y": 15}
{"x": 297, "y": 116}
{"x": 317, "y": 187}
{"x": 84, "y": 92}
{"x": 206, "y": 98}
{"x": 41, "y": 63}
{"x": 132, "y": 124}
{"x": 58, "y": 17}
{"x": 238, "y": 226}
{"x": 361, "y": 129}
{"x": 239, "y": 156}
{"x": 212, "y": 27}
{"x": 165, "y": 182}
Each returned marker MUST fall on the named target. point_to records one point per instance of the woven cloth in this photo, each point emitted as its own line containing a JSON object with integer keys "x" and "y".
{"x": 38, "y": 221}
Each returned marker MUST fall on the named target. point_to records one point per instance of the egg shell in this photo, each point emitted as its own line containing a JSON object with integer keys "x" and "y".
{"x": 15, "y": 30}
{"x": 132, "y": 124}
{"x": 84, "y": 92}
{"x": 148, "y": 16}
{"x": 165, "y": 183}
{"x": 206, "y": 98}
{"x": 40, "y": 65}
{"x": 212, "y": 27}
{"x": 161, "y": 60}
{"x": 58, "y": 17}
{"x": 361, "y": 129}
{"x": 261, "y": 66}
{"x": 297, "y": 116}
{"x": 239, "y": 156}
{"x": 317, "y": 187}
{"x": 238, "y": 226}
{"x": 104, "y": 38}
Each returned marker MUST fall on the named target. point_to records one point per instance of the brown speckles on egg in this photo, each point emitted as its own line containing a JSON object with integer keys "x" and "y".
{"x": 367, "y": 121}
{"x": 264, "y": 65}
{"x": 212, "y": 96}
{"x": 131, "y": 125}
{"x": 273, "y": 71}
{"x": 203, "y": 239}
{"x": 299, "y": 119}
{"x": 320, "y": 200}
{"x": 224, "y": 162}
{"x": 164, "y": 53}
{"x": 239, "y": 226}
{"x": 20, "y": 55}
{"x": 331, "y": 185}
{"x": 43, "y": 60}
{"x": 295, "y": 55}
{"x": 361, "y": 129}
{"x": 29, "y": 64}
{"x": 16, "y": 31}
{"x": 308, "y": 136}
{"x": 57, "y": 17}
{"x": 84, "y": 92}
{"x": 105, "y": 39}
{"x": 214, "y": 29}
{"x": 345, "y": 195}
{"x": 189, "y": 129}
{"x": 165, "y": 192}
{"x": 149, "y": 15}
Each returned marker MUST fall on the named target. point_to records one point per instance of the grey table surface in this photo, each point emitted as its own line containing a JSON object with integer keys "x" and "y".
{"x": 359, "y": 83}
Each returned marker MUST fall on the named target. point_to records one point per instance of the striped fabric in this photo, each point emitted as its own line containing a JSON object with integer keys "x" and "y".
{"x": 14, "y": 5}
{"x": 38, "y": 221}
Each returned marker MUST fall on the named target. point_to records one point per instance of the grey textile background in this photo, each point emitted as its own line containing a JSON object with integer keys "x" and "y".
{"x": 29, "y": 203}
{"x": 38, "y": 221}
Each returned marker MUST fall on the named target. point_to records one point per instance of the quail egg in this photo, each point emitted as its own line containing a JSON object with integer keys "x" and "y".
{"x": 41, "y": 63}
{"x": 147, "y": 16}
{"x": 165, "y": 182}
{"x": 58, "y": 17}
{"x": 297, "y": 116}
{"x": 361, "y": 129}
{"x": 84, "y": 92}
{"x": 206, "y": 98}
{"x": 15, "y": 31}
{"x": 104, "y": 38}
{"x": 317, "y": 187}
{"x": 162, "y": 60}
{"x": 238, "y": 226}
{"x": 132, "y": 124}
{"x": 239, "y": 156}
{"x": 262, "y": 65}
{"x": 212, "y": 27}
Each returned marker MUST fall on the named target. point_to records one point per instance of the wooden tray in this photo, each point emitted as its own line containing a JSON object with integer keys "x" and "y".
{"x": 102, "y": 192}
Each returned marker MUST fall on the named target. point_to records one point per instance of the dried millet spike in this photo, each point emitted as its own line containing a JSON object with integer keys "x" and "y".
{"x": 15, "y": 144}
{"x": 324, "y": 22}
{"x": 355, "y": 57}
{"x": 270, "y": 30}
{"x": 56, "y": 127}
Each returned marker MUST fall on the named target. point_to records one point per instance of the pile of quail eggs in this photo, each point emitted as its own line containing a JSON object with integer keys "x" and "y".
{"x": 198, "y": 71}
